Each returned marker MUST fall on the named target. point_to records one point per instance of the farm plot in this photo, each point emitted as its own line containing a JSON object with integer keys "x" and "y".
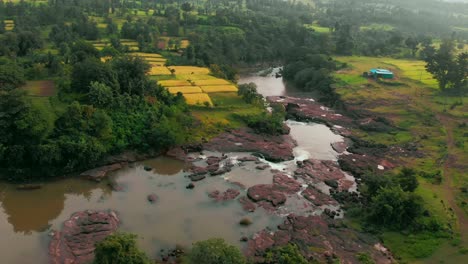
{"x": 219, "y": 88}
{"x": 159, "y": 70}
{"x": 208, "y": 82}
{"x": 185, "y": 89}
{"x": 198, "y": 99}
{"x": 172, "y": 83}
{"x": 9, "y": 25}
{"x": 189, "y": 70}
{"x": 43, "y": 88}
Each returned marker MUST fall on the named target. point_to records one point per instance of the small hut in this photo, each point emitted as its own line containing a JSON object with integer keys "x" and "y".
{"x": 381, "y": 73}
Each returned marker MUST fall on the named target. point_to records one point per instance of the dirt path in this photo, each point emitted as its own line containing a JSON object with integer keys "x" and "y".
{"x": 448, "y": 182}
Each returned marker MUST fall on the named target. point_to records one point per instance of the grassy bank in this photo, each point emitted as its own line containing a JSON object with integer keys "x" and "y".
{"x": 434, "y": 123}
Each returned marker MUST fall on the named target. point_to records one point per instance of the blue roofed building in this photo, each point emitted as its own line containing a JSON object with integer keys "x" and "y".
{"x": 381, "y": 73}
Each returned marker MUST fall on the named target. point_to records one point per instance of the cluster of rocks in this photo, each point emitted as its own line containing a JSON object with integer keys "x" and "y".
{"x": 229, "y": 194}
{"x": 97, "y": 174}
{"x": 326, "y": 171}
{"x": 319, "y": 240}
{"x": 75, "y": 243}
{"x": 273, "y": 148}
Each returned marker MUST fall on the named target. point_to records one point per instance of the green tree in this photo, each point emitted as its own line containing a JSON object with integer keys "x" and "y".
{"x": 449, "y": 70}
{"x": 11, "y": 76}
{"x": 100, "y": 95}
{"x": 288, "y": 254}
{"x": 394, "y": 208}
{"x": 92, "y": 70}
{"x": 407, "y": 180}
{"x": 215, "y": 251}
{"x": 119, "y": 248}
{"x": 249, "y": 93}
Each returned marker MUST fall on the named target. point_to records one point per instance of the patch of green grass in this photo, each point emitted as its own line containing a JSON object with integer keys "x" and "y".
{"x": 317, "y": 28}
{"x": 351, "y": 79}
{"x": 413, "y": 246}
{"x": 377, "y": 26}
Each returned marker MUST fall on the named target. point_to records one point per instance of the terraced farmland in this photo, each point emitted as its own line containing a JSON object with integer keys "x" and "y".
{"x": 9, "y": 25}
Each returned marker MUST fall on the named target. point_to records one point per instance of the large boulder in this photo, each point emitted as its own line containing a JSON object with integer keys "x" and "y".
{"x": 76, "y": 242}
{"x": 266, "y": 192}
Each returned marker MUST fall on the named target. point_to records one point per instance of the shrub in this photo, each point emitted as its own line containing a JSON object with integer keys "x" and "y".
{"x": 288, "y": 254}
{"x": 119, "y": 248}
{"x": 215, "y": 251}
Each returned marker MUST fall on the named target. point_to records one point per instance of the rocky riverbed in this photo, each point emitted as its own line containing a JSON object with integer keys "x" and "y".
{"x": 265, "y": 177}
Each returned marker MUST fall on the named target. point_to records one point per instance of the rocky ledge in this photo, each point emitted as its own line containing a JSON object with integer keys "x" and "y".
{"x": 319, "y": 239}
{"x": 272, "y": 148}
{"x": 76, "y": 242}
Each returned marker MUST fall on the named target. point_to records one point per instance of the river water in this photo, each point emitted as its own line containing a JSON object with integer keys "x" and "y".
{"x": 180, "y": 216}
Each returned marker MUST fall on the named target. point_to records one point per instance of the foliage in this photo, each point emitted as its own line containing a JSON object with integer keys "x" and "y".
{"x": 395, "y": 209}
{"x": 249, "y": 93}
{"x": 266, "y": 122}
{"x": 119, "y": 248}
{"x": 215, "y": 251}
{"x": 11, "y": 76}
{"x": 449, "y": 70}
{"x": 288, "y": 254}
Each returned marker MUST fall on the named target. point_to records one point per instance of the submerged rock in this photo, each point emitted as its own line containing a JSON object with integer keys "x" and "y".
{"x": 152, "y": 198}
{"x": 190, "y": 186}
{"x": 197, "y": 177}
{"x": 266, "y": 192}
{"x": 27, "y": 187}
{"x": 76, "y": 242}
{"x": 229, "y": 194}
{"x": 98, "y": 174}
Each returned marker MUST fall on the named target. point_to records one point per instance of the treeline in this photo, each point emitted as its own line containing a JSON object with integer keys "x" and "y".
{"x": 103, "y": 108}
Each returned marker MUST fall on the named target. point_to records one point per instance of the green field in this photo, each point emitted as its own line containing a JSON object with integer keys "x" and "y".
{"x": 413, "y": 102}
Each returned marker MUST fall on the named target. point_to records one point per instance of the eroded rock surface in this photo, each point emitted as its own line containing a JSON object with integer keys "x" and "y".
{"x": 229, "y": 194}
{"x": 75, "y": 243}
{"x": 319, "y": 239}
{"x": 273, "y": 148}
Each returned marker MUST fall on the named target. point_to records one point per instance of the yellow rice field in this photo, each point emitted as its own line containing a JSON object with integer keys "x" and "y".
{"x": 154, "y": 59}
{"x": 190, "y": 70}
{"x": 146, "y": 55}
{"x": 219, "y": 88}
{"x": 211, "y": 82}
{"x": 159, "y": 70}
{"x": 157, "y": 64}
{"x": 197, "y": 99}
{"x": 194, "y": 77}
{"x": 184, "y": 43}
{"x": 171, "y": 83}
{"x": 185, "y": 89}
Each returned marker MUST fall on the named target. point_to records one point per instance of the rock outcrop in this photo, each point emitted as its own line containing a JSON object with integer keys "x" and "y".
{"x": 99, "y": 173}
{"x": 75, "y": 243}
{"x": 319, "y": 240}
{"x": 273, "y": 148}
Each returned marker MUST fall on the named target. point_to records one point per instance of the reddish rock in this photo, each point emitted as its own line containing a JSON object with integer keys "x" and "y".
{"x": 248, "y": 158}
{"x": 339, "y": 147}
{"x": 213, "y": 160}
{"x": 320, "y": 234}
{"x": 262, "y": 167}
{"x": 229, "y": 194}
{"x": 273, "y": 148}
{"x": 152, "y": 198}
{"x": 266, "y": 192}
{"x": 98, "y": 174}
{"x": 320, "y": 170}
{"x": 247, "y": 204}
{"x": 286, "y": 184}
{"x": 75, "y": 244}
{"x": 317, "y": 198}
{"x": 302, "y": 109}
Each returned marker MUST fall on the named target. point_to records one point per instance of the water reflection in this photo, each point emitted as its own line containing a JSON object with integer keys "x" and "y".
{"x": 33, "y": 210}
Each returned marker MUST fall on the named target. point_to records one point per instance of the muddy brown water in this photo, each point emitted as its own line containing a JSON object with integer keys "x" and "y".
{"x": 180, "y": 216}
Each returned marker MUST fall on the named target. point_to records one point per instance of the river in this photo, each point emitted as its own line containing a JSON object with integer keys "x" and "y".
{"x": 180, "y": 216}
